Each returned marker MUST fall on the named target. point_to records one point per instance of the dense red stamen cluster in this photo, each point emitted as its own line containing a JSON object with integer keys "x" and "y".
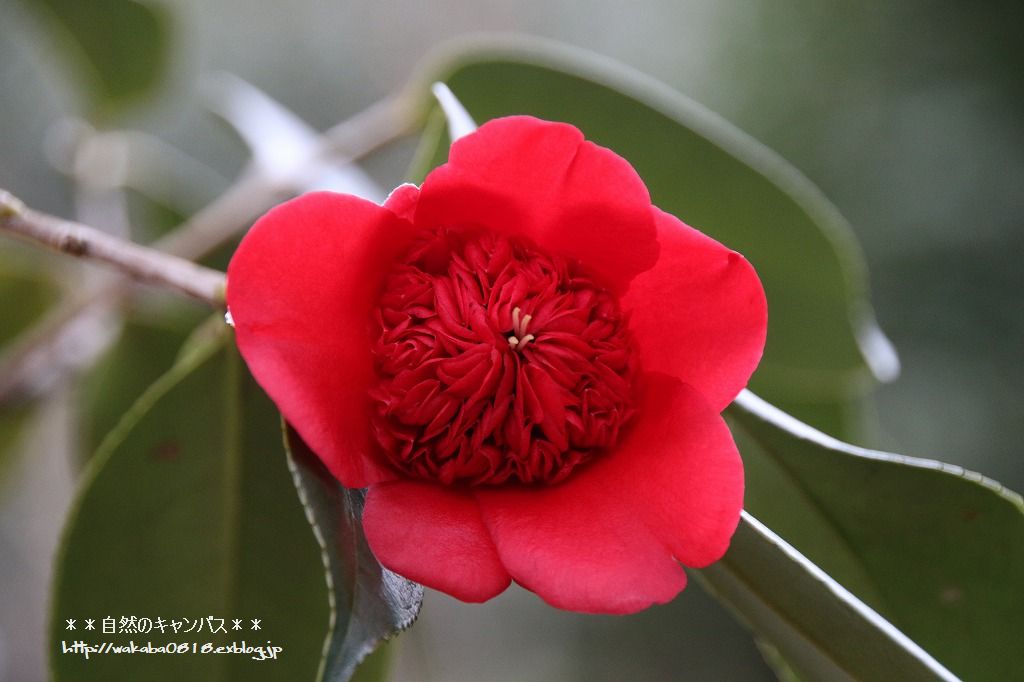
{"x": 497, "y": 363}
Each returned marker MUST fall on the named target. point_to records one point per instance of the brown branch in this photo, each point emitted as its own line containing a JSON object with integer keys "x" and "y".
{"x": 139, "y": 262}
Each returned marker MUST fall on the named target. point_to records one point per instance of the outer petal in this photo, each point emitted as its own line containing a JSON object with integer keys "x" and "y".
{"x": 542, "y": 180}
{"x": 434, "y": 535}
{"x": 301, "y": 287}
{"x": 402, "y": 200}
{"x": 700, "y": 314}
{"x": 604, "y": 540}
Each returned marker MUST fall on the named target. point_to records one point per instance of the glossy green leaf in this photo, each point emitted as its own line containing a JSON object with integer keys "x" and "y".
{"x": 937, "y": 550}
{"x": 712, "y": 176}
{"x": 369, "y": 603}
{"x": 117, "y": 49}
{"x": 188, "y": 512}
{"x": 820, "y": 628}
{"x": 146, "y": 348}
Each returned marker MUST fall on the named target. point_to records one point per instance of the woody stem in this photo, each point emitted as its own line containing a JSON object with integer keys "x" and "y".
{"x": 139, "y": 262}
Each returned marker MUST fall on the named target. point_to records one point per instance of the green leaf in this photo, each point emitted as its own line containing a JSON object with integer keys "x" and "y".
{"x": 369, "y": 603}
{"x": 117, "y": 49}
{"x": 187, "y": 512}
{"x": 712, "y": 176}
{"x": 937, "y": 550}
{"x": 146, "y": 349}
{"x": 821, "y": 629}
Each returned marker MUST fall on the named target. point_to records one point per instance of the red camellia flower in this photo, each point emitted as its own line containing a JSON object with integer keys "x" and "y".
{"x": 523, "y": 360}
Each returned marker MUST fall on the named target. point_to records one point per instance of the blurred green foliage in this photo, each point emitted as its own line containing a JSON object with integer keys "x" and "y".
{"x": 116, "y": 50}
{"x": 909, "y": 116}
{"x": 25, "y": 295}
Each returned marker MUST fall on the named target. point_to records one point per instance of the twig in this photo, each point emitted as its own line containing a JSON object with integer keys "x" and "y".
{"x": 139, "y": 262}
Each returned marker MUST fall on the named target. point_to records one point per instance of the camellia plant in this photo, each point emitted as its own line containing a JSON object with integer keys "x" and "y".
{"x": 521, "y": 365}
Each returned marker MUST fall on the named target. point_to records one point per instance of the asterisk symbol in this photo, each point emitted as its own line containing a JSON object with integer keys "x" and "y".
{"x": 71, "y": 624}
{"x": 236, "y": 623}
{"x": 255, "y": 623}
{"x": 90, "y": 624}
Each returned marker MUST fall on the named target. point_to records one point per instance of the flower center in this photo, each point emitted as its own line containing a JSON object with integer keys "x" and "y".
{"x": 497, "y": 363}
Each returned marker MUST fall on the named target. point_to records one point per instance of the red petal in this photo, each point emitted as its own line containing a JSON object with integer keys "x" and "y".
{"x": 700, "y": 314}
{"x": 434, "y": 535}
{"x": 604, "y": 540}
{"x": 402, "y": 200}
{"x": 542, "y": 180}
{"x": 301, "y": 287}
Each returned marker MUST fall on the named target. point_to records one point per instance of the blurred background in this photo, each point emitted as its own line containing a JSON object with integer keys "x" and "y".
{"x": 908, "y": 116}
